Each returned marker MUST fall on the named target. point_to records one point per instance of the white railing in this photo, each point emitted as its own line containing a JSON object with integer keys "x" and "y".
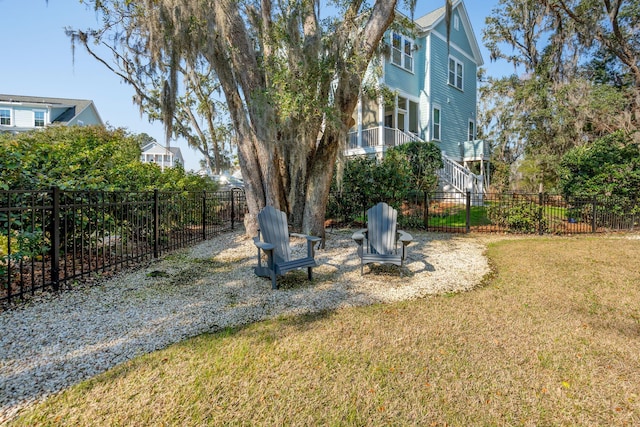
{"x": 461, "y": 178}
{"x": 371, "y": 138}
{"x": 394, "y": 137}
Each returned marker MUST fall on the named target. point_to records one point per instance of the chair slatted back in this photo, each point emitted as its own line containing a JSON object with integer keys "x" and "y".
{"x": 381, "y": 228}
{"x": 274, "y": 230}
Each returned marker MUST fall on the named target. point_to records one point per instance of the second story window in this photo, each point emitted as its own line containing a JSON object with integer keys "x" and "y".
{"x": 402, "y": 51}
{"x": 38, "y": 119}
{"x": 5, "y": 116}
{"x": 455, "y": 73}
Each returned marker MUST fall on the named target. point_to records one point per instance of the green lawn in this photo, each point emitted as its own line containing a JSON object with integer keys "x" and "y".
{"x": 457, "y": 217}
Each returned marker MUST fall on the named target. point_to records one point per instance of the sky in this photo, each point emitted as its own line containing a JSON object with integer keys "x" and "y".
{"x": 37, "y": 60}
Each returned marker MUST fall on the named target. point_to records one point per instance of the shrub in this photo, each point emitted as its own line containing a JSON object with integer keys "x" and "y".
{"x": 424, "y": 159}
{"x": 608, "y": 167}
{"x": 85, "y": 158}
{"x": 520, "y": 216}
{"x": 405, "y": 171}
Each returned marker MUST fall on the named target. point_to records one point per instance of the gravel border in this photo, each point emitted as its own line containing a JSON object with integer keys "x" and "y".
{"x": 53, "y": 343}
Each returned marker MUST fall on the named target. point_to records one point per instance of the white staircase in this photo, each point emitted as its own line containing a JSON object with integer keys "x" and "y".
{"x": 457, "y": 180}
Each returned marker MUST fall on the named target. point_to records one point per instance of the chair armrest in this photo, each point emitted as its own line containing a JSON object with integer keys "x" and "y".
{"x": 404, "y": 237}
{"x": 262, "y": 245}
{"x": 359, "y": 235}
{"x": 306, "y": 236}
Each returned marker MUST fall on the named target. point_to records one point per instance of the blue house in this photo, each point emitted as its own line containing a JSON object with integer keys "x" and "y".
{"x": 431, "y": 96}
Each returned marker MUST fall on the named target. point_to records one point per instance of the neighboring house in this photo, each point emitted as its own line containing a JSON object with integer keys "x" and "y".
{"x": 156, "y": 153}
{"x": 22, "y": 113}
{"x": 434, "y": 97}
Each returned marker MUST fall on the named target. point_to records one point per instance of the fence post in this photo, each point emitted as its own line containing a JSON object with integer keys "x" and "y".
{"x": 468, "y": 216}
{"x": 204, "y": 214}
{"x": 233, "y": 210}
{"x": 540, "y": 207}
{"x": 593, "y": 215}
{"x": 55, "y": 239}
{"x": 156, "y": 223}
{"x": 426, "y": 211}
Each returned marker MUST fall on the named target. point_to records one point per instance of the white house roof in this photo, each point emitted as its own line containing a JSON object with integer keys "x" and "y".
{"x": 74, "y": 107}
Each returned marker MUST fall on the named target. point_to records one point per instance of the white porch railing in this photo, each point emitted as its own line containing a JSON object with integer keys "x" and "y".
{"x": 394, "y": 137}
{"x": 371, "y": 138}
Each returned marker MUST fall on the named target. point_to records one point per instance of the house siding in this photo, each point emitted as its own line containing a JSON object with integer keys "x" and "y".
{"x": 457, "y": 106}
{"x": 399, "y": 78}
{"x": 87, "y": 117}
{"x": 425, "y": 92}
{"x": 369, "y": 113}
{"x": 458, "y": 38}
{"x": 56, "y": 110}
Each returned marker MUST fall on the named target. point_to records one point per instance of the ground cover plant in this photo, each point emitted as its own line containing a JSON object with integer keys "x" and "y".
{"x": 551, "y": 337}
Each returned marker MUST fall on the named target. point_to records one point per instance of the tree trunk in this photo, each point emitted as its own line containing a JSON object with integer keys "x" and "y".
{"x": 319, "y": 186}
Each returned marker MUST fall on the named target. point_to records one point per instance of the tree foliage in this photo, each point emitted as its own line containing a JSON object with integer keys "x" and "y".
{"x": 608, "y": 167}
{"x": 88, "y": 158}
{"x": 185, "y": 96}
{"x": 578, "y": 81}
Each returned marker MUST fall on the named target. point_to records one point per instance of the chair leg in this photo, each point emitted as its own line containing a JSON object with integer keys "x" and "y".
{"x": 274, "y": 284}
{"x": 310, "y": 273}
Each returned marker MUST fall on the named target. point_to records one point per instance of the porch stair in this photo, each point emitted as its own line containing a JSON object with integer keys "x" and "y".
{"x": 455, "y": 180}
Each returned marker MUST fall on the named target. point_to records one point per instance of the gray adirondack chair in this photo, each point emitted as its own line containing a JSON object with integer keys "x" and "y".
{"x": 378, "y": 243}
{"x": 273, "y": 239}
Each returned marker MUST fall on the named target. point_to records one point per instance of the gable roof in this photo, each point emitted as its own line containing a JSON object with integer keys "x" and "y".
{"x": 74, "y": 107}
{"x": 429, "y": 21}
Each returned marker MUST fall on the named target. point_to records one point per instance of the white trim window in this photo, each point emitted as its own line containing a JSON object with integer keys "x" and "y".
{"x": 402, "y": 51}
{"x": 456, "y": 71}
{"x": 38, "y": 119}
{"x": 436, "y": 123}
{"x": 5, "y": 116}
{"x": 471, "y": 132}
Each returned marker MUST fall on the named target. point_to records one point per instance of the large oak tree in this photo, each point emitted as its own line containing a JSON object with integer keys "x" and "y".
{"x": 289, "y": 79}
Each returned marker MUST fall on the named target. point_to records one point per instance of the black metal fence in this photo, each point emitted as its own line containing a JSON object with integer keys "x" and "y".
{"x": 495, "y": 212}
{"x": 49, "y": 239}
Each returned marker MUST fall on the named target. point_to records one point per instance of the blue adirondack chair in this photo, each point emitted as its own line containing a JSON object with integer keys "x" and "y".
{"x": 273, "y": 239}
{"x": 378, "y": 243}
